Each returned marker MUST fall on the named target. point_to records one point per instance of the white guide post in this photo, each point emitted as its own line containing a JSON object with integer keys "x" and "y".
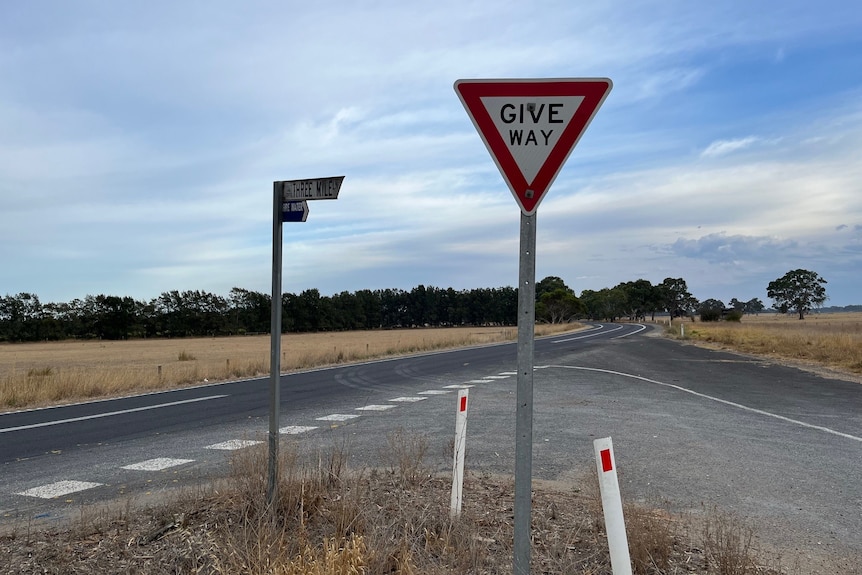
{"x": 458, "y": 458}
{"x": 612, "y": 505}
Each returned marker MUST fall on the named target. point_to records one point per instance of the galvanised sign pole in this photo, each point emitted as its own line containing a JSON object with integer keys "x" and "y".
{"x": 289, "y": 204}
{"x": 530, "y": 127}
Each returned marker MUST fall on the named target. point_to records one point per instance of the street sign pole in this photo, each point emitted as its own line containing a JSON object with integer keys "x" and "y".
{"x": 275, "y": 346}
{"x": 289, "y": 204}
{"x": 524, "y": 409}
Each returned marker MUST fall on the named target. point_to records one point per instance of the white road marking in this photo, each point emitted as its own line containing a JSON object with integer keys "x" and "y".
{"x": 719, "y": 400}
{"x": 337, "y": 417}
{"x": 108, "y": 414}
{"x": 435, "y": 392}
{"x": 496, "y": 377}
{"x": 375, "y": 408}
{"x": 59, "y": 489}
{"x": 642, "y": 327}
{"x": 478, "y": 381}
{"x": 408, "y": 399}
{"x": 588, "y": 335}
{"x": 157, "y": 464}
{"x": 508, "y": 373}
{"x": 296, "y": 429}
{"x": 233, "y": 444}
{"x": 459, "y": 386}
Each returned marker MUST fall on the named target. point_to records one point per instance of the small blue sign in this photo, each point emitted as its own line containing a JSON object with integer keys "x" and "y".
{"x": 294, "y": 211}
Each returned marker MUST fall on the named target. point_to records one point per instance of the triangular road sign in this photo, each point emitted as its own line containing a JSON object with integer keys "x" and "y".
{"x": 531, "y": 126}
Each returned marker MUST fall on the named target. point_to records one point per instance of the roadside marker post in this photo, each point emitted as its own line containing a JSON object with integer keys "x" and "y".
{"x": 458, "y": 457}
{"x": 529, "y": 126}
{"x": 289, "y": 204}
{"x": 612, "y": 506}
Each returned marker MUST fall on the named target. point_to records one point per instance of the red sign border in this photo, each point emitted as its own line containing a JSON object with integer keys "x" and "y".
{"x": 594, "y": 92}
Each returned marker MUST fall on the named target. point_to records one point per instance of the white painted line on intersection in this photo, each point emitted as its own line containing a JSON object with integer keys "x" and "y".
{"x": 459, "y": 386}
{"x": 435, "y": 392}
{"x": 375, "y": 408}
{"x": 496, "y": 377}
{"x": 407, "y": 399}
{"x": 337, "y": 417}
{"x": 719, "y": 400}
{"x": 233, "y": 444}
{"x": 59, "y": 489}
{"x": 296, "y": 429}
{"x": 157, "y": 464}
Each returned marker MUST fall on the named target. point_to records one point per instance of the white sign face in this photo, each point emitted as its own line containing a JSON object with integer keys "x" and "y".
{"x": 315, "y": 189}
{"x": 531, "y": 127}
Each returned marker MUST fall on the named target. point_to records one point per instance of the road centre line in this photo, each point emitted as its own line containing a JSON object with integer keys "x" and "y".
{"x": 719, "y": 400}
{"x": 641, "y": 326}
{"x": 108, "y": 414}
{"x": 590, "y": 334}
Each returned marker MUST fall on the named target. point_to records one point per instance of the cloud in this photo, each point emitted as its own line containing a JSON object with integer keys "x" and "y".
{"x": 725, "y": 147}
{"x": 737, "y": 249}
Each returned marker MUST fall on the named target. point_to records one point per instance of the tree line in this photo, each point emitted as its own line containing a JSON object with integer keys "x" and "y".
{"x": 199, "y": 313}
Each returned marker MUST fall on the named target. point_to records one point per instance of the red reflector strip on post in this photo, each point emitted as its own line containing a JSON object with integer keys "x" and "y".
{"x": 606, "y": 460}
{"x": 464, "y": 403}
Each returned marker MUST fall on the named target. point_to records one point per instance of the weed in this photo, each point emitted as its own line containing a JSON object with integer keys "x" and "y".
{"x": 185, "y": 356}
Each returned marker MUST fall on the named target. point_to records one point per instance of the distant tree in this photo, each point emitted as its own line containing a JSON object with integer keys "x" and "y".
{"x": 676, "y": 299}
{"x": 558, "y": 306}
{"x": 551, "y": 284}
{"x": 797, "y": 290}
{"x": 710, "y": 310}
{"x": 642, "y": 298}
{"x": 605, "y": 304}
{"x": 754, "y": 306}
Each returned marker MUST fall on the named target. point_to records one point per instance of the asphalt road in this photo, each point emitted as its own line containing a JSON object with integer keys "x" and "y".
{"x": 692, "y": 429}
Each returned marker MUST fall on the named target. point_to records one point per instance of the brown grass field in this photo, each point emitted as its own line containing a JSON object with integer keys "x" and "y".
{"x": 38, "y": 374}
{"x": 829, "y": 340}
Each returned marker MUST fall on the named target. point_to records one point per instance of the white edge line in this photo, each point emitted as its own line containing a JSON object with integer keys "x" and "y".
{"x": 719, "y": 400}
{"x": 108, "y": 414}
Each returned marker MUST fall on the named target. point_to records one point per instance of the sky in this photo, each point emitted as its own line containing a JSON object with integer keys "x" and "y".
{"x": 139, "y": 142}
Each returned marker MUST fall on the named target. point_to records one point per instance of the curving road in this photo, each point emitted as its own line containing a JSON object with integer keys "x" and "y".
{"x": 691, "y": 427}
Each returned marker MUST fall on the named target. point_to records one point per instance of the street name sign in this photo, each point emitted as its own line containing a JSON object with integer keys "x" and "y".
{"x": 314, "y": 189}
{"x": 530, "y": 126}
{"x": 294, "y": 211}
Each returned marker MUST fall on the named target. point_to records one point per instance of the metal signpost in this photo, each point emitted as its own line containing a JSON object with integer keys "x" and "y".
{"x": 530, "y": 127}
{"x": 289, "y": 204}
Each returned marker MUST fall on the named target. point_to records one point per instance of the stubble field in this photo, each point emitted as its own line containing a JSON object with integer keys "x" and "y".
{"x": 825, "y": 340}
{"x": 48, "y": 373}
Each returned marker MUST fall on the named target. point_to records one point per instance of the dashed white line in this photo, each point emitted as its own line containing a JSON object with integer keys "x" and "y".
{"x": 296, "y": 429}
{"x": 157, "y": 464}
{"x": 435, "y": 392}
{"x": 375, "y": 407}
{"x": 59, "y": 489}
{"x": 408, "y": 399}
{"x": 459, "y": 386}
{"x": 337, "y": 417}
{"x": 233, "y": 444}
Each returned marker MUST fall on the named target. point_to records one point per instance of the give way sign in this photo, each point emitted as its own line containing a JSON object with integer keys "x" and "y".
{"x": 531, "y": 126}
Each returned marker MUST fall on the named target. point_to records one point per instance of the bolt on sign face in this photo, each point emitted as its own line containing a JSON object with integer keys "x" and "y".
{"x": 530, "y": 126}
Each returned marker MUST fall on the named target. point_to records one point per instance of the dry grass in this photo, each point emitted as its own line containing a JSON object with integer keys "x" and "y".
{"x": 38, "y": 374}
{"x": 331, "y": 520}
{"x": 831, "y": 340}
